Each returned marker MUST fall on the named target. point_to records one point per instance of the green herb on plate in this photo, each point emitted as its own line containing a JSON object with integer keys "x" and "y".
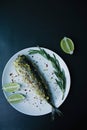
{"x": 60, "y": 73}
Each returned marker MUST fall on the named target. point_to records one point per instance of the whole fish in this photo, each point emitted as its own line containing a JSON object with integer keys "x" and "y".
{"x": 31, "y": 75}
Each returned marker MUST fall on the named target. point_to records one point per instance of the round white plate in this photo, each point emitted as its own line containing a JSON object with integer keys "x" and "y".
{"x": 33, "y": 104}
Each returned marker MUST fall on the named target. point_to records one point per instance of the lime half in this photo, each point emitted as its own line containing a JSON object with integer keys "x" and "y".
{"x": 11, "y": 87}
{"x": 67, "y": 45}
{"x": 16, "y": 98}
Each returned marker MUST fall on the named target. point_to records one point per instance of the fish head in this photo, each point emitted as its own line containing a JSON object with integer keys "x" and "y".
{"x": 21, "y": 65}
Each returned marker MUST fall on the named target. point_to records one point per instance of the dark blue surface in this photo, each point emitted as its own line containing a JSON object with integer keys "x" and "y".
{"x": 27, "y": 24}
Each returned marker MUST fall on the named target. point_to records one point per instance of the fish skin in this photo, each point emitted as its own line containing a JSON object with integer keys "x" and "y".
{"x": 26, "y": 70}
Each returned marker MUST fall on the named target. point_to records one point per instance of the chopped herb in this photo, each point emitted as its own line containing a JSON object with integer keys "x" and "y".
{"x": 25, "y": 90}
{"x": 11, "y": 74}
{"x": 46, "y": 65}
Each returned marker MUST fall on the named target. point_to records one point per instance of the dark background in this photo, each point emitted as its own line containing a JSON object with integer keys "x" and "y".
{"x": 41, "y": 22}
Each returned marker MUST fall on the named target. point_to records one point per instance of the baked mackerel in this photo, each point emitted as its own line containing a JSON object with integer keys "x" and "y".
{"x": 31, "y": 75}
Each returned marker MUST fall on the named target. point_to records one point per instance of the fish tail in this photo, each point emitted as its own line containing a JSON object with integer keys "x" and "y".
{"x": 54, "y": 112}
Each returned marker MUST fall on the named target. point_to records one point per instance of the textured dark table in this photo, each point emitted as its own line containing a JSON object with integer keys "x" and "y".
{"x": 44, "y": 23}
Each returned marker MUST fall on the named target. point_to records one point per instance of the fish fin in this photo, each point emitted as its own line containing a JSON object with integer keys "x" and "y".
{"x": 58, "y": 112}
{"x": 54, "y": 112}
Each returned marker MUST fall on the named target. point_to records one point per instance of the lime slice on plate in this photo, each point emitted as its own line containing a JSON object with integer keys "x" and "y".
{"x": 15, "y": 98}
{"x": 67, "y": 45}
{"x": 11, "y": 87}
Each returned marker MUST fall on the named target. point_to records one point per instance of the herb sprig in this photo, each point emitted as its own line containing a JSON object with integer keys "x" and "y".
{"x": 60, "y": 73}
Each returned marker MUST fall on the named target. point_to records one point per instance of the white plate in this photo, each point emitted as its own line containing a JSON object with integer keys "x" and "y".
{"x": 33, "y": 105}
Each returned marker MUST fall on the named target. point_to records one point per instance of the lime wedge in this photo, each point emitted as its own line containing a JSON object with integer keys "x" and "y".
{"x": 11, "y": 87}
{"x": 16, "y": 98}
{"x": 67, "y": 45}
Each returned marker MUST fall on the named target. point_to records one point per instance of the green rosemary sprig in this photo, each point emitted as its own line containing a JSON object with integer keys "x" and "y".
{"x": 60, "y": 73}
